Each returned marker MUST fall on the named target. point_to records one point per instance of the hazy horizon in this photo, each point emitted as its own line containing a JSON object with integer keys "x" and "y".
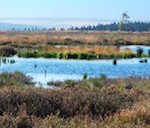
{"x": 54, "y": 22}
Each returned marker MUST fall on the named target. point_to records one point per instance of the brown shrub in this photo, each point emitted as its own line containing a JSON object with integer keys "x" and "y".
{"x": 67, "y": 102}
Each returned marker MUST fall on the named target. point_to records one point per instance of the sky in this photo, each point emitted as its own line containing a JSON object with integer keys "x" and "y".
{"x": 67, "y": 13}
{"x": 91, "y": 9}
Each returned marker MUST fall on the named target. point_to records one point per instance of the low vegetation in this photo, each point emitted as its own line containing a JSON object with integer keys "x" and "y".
{"x": 15, "y": 79}
{"x": 93, "y": 103}
{"x": 77, "y": 55}
{"x": 71, "y": 44}
{"x": 35, "y": 39}
{"x": 99, "y": 102}
{"x": 7, "y": 51}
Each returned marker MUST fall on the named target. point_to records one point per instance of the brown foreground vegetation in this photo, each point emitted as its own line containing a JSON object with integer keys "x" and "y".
{"x": 115, "y": 103}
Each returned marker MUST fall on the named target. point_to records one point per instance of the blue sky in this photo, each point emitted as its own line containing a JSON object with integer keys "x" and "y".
{"x": 91, "y": 9}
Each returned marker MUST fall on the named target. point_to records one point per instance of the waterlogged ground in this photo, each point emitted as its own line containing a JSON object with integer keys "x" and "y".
{"x": 48, "y": 70}
{"x": 134, "y": 48}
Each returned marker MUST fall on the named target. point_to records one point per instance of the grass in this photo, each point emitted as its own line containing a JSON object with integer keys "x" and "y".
{"x": 115, "y": 103}
{"x": 92, "y": 103}
{"x": 72, "y": 44}
{"x": 73, "y": 38}
{"x": 15, "y": 79}
{"x": 75, "y": 55}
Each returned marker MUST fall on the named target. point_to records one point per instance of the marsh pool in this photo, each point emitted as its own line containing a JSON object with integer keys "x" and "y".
{"x": 49, "y": 70}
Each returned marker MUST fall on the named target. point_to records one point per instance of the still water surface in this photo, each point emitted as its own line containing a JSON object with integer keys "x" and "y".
{"x": 48, "y": 70}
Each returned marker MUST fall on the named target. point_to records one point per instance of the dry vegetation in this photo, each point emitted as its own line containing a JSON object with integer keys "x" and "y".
{"x": 73, "y": 41}
{"x": 84, "y": 37}
{"x": 95, "y": 103}
{"x": 115, "y": 103}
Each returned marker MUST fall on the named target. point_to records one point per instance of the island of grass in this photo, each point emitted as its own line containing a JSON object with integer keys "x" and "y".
{"x": 87, "y": 45}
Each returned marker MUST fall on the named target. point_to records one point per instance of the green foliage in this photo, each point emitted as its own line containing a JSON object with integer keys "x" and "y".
{"x": 49, "y": 55}
{"x": 85, "y": 76}
{"x": 103, "y": 76}
{"x": 71, "y": 55}
{"x": 83, "y": 56}
{"x": 94, "y": 83}
{"x": 14, "y": 79}
{"x": 29, "y": 54}
{"x": 128, "y": 55}
{"x": 70, "y": 82}
{"x": 3, "y": 78}
{"x": 60, "y": 55}
{"x": 139, "y": 52}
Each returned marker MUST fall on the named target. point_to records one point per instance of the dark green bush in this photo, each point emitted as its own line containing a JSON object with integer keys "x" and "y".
{"x": 85, "y": 76}
{"x": 7, "y": 51}
{"x": 126, "y": 55}
{"x": 140, "y": 52}
{"x": 29, "y": 54}
{"x": 92, "y": 56}
{"x": 49, "y": 55}
{"x": 71, "y": 55}
{"x": 83, "y": 56}
{"x": 60, "y": 55}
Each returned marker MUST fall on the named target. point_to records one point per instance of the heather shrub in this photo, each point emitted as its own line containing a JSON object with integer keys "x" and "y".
{"x": 20, "y": 121}
{"x": 6, "y": 121}
{"x": 23, "y": 120}
{"x": 110, "y": 103}
{"x": 137, "y": 116}
{"x": 15, "y": 79}
{"x": 66, "y": 102}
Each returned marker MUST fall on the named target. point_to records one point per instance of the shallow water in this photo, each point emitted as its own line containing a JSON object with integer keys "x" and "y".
{"x": 135, "y": 47}
{"x": 48, "y": 70}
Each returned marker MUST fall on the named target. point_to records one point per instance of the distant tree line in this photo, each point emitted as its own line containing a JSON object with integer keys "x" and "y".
{"x": 130, "y": 26}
